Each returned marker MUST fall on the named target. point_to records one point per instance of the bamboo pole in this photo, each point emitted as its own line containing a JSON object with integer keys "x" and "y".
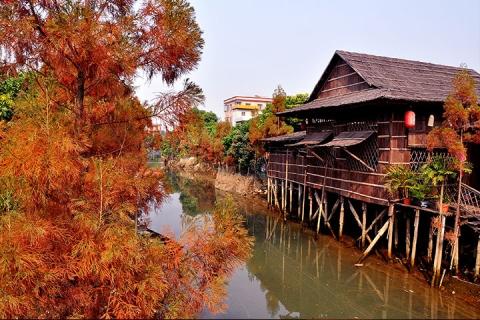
{"x": 357, "y": 219}
{"x": 415, "y": 238}
{"x": 364, "y": 223}
{"x": 342, "y": 216}
{"x": 391, "y": 218}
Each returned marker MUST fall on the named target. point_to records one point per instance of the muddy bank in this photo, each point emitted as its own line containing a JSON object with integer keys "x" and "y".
{"x": 243, "y": 185}
{"x": 191, "y": 168}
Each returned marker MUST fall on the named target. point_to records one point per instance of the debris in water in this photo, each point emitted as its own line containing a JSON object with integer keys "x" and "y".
{"x": 358, "y": 264}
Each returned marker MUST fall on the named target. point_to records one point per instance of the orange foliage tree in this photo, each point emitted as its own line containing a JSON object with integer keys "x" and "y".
{"x": 268, "y": 124}
{"x": 461, "y": 125}
{"x": 72, "y": 161}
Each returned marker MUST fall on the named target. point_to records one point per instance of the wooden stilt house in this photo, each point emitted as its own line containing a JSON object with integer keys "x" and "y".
{"x": 355, "y": 128}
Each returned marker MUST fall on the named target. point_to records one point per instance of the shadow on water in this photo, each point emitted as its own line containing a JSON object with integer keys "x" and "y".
{"x": 293, "y": 275}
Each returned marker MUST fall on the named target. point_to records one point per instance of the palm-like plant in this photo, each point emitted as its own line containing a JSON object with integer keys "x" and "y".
{"x": 399, "y": 179}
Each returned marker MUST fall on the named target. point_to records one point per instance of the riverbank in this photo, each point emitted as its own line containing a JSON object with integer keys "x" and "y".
{"x": 230, "y": 182}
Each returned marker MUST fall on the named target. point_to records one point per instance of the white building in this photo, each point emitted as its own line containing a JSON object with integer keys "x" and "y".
{"x": 242, "y": 108}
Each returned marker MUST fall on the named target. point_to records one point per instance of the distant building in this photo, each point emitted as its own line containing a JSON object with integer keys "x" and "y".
{"x": 241, "y": 108}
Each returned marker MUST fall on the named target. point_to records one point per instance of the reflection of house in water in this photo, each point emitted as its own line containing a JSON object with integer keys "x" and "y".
{"x": 317, "y": 279}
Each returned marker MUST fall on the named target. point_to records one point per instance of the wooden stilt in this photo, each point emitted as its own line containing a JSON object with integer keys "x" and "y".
{"x": 391, "y": 218}
{"x": 437, "y": 262}
{"x": 430, "y": 242}
{"x": 322, "y": 212}
{"x": 395, "y": 234}
{"x": 375, "y": 240}
{"x": 415, "y": 238}
{"x": 268, "y": 192}
{"x": 364, "y": 223}
{"x": 299, "y": 204}
{"x": 342, "y": 215}
{"x": 291, "y": 197}
{"x": 477, "y": 261}
{"x": 310, "y": 211}
{"x": 303, "y": 201}
{"x": 407, "y": 237}
{"x": 357, "y": 218}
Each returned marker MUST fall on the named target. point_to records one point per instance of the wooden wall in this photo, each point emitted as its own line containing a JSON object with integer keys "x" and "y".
{"x": 394, "y": 147}
{"x": 341, "y": 79}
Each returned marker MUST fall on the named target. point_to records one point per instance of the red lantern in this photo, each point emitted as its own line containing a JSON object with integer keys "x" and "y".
{"x": 410, "y": 119}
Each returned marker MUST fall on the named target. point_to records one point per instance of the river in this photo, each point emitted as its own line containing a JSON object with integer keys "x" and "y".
{"x": 293, "y": 274}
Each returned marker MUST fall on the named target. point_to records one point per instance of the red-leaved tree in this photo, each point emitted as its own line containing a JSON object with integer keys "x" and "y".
{"x": 73, "y": 165}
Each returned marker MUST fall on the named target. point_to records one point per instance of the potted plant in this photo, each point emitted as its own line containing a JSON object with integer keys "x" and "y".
{"x": 437, "y": 172}
{"x": 420, "y": 190}
{"x": 398, "y": 180}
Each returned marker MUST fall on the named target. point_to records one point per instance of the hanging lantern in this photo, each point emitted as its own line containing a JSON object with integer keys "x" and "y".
{"x": 431, "y": 121}
{"x": 410, "y": 119}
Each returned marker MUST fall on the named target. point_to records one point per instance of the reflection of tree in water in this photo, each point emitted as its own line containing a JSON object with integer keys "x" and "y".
{"x": 272, "y": 303}
{"x": 195, "y": 196}
{"x": 189, "y": 204}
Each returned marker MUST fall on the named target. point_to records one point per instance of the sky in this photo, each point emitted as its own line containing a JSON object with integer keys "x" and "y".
{"x": 252, "y": 46}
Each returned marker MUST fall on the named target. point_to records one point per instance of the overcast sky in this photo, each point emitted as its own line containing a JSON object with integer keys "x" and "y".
{"x": 251, "y": 46}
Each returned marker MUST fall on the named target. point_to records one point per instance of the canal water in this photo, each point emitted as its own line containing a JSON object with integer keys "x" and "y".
{"x": 293, "y": 275}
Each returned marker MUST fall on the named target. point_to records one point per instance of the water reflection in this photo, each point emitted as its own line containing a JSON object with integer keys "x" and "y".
{"x": 292, "y": 275}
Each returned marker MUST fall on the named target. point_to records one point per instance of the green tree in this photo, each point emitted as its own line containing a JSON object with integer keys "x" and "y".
{"x": 9, "y": 90}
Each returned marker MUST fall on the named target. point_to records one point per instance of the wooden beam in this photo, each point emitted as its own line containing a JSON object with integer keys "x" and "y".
{"x": 334, "y": 208}
{"x": 316, "y": 155}
{"x": 415, "y": 238}
{"x": 358, "y": 159}
{"x": 291, "y": 197}
{"x": 375, "y": 240}
{"x": 322, "y": 213}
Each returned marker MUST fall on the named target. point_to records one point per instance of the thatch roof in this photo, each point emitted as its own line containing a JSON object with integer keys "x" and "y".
{"x": 391, "y": 79}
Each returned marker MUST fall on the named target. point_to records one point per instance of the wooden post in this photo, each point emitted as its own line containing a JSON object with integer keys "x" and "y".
{"x": 291, "y": 197}
{"x": 477, "y": 260}
{"x": 310, "y": 211}
{"x": 415, "y": 238}
{"x": 299, "y": 202}
{"x": 407, "y": 237}
{"x": 391, "y": 218}
{"x": 364, "y": 223}
{"x": 268, "y": 191}
{"x": 430, "y": 242}
{"x": 437, "y": 261}
{"x": 342, "y": 215}
{"x": 372, "y": 244}
{"x": 303, "y": 201}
